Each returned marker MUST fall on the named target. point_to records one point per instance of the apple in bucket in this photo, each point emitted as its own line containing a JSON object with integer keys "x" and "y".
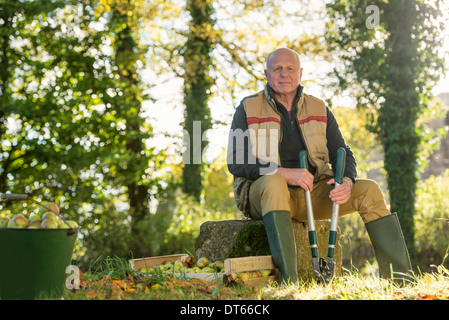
{"x": 18, "y": 221}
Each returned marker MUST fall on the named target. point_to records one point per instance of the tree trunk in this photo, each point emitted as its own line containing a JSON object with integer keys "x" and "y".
{"x": 197, "y": 84}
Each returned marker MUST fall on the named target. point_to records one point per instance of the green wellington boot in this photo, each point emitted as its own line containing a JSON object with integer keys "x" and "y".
{"x": 281, "y": 238}
{"x": 390, "y": 248}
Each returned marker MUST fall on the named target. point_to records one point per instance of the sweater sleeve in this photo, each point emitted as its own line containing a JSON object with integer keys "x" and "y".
{"x": 239, "y": 160}
{"x": 335, "y": 140}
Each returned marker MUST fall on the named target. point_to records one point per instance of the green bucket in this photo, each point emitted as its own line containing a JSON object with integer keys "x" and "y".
{"x": 33, "y": 262}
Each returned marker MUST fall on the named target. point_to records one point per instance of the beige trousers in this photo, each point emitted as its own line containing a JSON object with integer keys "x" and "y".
{"x": 271, "y": 192}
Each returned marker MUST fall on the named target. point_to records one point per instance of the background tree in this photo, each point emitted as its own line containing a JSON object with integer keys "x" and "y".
{"x": 73, "y": 129}
{"x": 390, "y": 65}
{"x": 197, "y": 84}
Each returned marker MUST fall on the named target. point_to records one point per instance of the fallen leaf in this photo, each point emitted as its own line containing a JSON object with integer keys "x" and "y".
{"x": 427, "y": 297}
{"x": 94, "y": 294}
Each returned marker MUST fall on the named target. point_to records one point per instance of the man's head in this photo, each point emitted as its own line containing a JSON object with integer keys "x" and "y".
{"x": 283, "y": 71}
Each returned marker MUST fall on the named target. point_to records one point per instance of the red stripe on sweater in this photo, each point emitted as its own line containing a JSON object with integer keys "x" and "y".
{"x": 253, "y": 120}
{"x": 314, "y": 118}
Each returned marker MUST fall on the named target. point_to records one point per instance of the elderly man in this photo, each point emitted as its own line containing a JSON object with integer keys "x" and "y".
{"x": 268, "y": 131}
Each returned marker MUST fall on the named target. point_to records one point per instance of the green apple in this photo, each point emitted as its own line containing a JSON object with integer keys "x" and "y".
{"x": 243, "y": 275}
{"x": 190, "y": 260}
{"x": 196, "y": 269}
{"x": 35, "y": 224}
{"x": 46, "y": 207}
{"x": 189, "y": 270}
{"x": 3, "y": 222}
{"x": 253, "y": 274}
{"x": 178, "y": 265}
{"x": 159, "y": 267}
{"x": 168, "y": 264}
{"x": 143, "y": 270}
{"x": 18, "y": 221}
{"x": 181, "y": 263}
{"x": 207, "y": 270}
{"x": 72, "y": 224}
{"x": 49, "y": 215}
{"x": 34, "y": 217}
{"x": 219, "y": 264}
{"x": 202, "y": 262}
{"x": 233, "y": 276}
{"x": 63, "y": 225}
{"x": 264, "y": 273}
{"x": 49, "y": 224}
{"x": 176, "y": 268}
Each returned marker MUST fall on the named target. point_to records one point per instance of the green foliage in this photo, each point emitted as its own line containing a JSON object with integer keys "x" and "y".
{"x": 364, "y": 144}
{"x": 432, "y": 221}
{"x": 391, "y": 68}
{"x": 71, "y": 99}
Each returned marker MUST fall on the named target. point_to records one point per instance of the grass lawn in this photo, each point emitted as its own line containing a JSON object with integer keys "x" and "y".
{"x": 115, "y": 281}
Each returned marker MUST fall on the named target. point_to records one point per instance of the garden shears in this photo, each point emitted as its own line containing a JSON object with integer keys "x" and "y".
{"x": 323, "y": 270}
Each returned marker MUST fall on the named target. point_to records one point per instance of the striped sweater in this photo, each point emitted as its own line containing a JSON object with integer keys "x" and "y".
{"x": 259, "y": 140}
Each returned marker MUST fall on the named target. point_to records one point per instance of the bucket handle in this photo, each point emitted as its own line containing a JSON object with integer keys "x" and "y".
{"x": 14, "y": 196}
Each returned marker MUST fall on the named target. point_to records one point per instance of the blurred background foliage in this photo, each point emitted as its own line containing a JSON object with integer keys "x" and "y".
{"x": 81, "y": 82}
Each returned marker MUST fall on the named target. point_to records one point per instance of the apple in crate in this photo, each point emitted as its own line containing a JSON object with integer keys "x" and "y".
{"x": 219, "y": 264}
{"x": 18, "y": 221}
{"x": 264, "y": 272}
{"x": 202, "y": 262}
{"x": 243, "y": 275}
{"x": 178, "y": 265}
{"x": 207, "y": 270}
{"x": 190, "y": 260}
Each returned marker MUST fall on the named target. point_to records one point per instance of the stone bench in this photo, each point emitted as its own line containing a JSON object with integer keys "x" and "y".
{"x": 219, "y": 240}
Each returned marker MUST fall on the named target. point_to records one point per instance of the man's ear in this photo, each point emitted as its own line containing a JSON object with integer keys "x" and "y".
{"x": 300, "y": 74}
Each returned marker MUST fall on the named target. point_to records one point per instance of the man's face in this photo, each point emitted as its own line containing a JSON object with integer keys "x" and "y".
{"x": 283, "y": 72}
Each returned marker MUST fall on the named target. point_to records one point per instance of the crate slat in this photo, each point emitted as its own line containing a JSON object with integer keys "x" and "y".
{"x": 201, "y": 276}
{"x": 261, "y": 280}
{"x": 138, "y": 264}
{"x": 234, "y": 265}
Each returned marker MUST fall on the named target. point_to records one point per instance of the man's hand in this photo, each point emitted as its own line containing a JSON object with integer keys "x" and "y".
{"x": 342, "y": 193}
{"x": 297, "y": 177}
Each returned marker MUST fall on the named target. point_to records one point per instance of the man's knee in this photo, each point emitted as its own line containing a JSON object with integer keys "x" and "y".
{"x": 273, "y": 182}
{"x": 370, "y": 200}
{"x": 369, "y": 188}
{"x": 269, "y": 193}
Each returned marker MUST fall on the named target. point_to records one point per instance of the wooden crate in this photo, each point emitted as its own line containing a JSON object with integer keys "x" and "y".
{"x": 138, "y": 264}
{"x": 247, "y": 264}
{"x": 232, "y": 266}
